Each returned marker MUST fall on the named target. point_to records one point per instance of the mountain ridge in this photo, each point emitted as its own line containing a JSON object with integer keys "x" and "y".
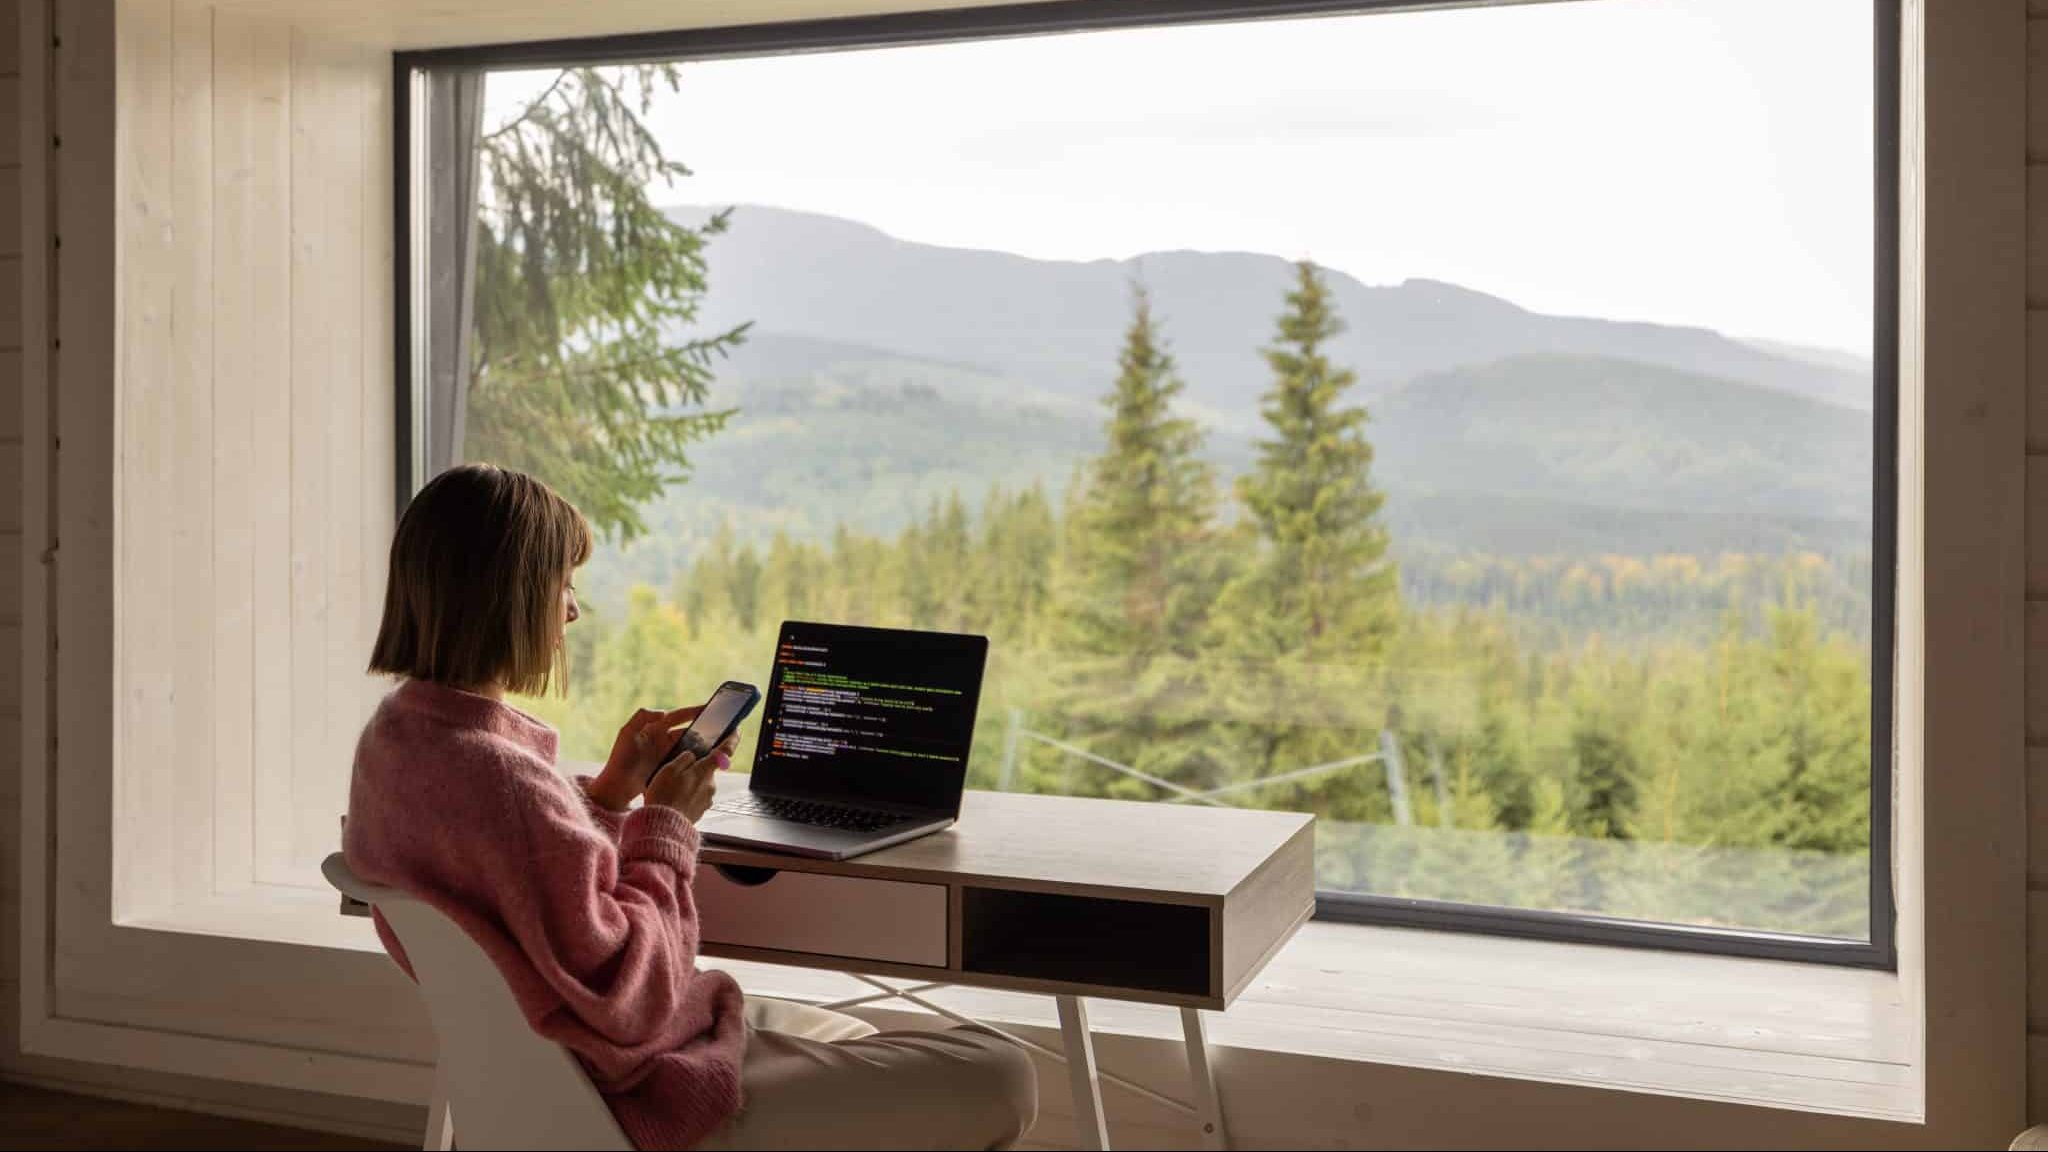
{"x": 1056, "y": 325}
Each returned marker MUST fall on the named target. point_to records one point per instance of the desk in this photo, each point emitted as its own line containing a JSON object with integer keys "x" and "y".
{"x": 1073, "y": 898}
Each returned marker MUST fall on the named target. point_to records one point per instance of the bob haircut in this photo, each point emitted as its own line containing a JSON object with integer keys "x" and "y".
{"x": 478, "y": 566}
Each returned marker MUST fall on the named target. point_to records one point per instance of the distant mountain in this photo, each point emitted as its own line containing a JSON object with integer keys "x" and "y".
{"x": 776, "y": 368}
{"x": 1599, "y": 431}
{"x": 1532, "y": 454}
{"x": 881, "y": 376}
{"x": 1826, "y": 357}
{"x": 1454, "y": 523}
{"x": 1587, "y": 431}
{"x": 1055, "y": 326}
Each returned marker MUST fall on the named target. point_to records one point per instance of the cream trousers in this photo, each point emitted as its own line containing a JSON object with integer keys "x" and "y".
{"x": 816, "y": 1079}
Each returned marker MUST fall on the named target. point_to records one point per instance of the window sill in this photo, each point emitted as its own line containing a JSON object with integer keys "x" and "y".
{"x": 271, "y": 913}
{"x": 1762, "y": 1033}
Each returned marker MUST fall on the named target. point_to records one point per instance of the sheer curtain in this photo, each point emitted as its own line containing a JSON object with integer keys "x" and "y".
{"x": 455, "y": 105}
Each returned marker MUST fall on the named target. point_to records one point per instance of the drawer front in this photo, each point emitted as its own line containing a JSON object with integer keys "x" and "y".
{"x": 848, "y": 916}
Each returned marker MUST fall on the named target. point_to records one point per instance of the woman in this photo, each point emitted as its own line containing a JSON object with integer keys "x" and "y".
{"x": 584, "y": 901}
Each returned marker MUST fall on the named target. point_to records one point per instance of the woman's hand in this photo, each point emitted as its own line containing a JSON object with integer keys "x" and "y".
{"x": 688, "y": 784}
{"x": 636, "y": 755}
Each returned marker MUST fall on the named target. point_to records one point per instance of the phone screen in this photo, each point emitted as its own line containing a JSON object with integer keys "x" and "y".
{"x": 723, "y": 712}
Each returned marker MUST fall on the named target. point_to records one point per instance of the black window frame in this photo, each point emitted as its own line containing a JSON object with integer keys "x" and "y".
{"x": 1063, "y": 16}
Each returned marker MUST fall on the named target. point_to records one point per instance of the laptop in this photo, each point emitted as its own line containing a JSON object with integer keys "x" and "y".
{"x": 863, "y": 743}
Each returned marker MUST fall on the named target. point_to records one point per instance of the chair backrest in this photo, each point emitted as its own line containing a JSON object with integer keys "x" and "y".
{"x": 508, "y": 1086}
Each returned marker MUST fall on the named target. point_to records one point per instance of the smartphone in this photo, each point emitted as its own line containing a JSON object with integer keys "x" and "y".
{"x": 721, "y": 716}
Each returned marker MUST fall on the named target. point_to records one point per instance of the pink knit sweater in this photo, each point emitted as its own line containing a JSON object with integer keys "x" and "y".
{"x": 588, "y": 913}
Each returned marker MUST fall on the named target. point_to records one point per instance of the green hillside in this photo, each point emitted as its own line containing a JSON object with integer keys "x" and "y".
{"x": 1534, "y": 456}
{"x": 1619, "y": 433}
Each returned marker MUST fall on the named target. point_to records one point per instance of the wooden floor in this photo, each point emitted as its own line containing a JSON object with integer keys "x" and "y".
{"x": 34, "y": 1118}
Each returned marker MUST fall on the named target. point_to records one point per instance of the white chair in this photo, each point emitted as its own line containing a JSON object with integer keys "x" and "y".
{"x": 511, "y": 1087}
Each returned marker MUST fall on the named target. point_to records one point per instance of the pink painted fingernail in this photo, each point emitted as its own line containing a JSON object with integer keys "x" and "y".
{"x": 722, "y": 760}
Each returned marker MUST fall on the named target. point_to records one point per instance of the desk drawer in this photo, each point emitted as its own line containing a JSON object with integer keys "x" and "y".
{"x": 849, "y": 916}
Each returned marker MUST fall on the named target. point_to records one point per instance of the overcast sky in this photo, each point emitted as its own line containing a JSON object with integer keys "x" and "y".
{"x": 1685, "y": 161}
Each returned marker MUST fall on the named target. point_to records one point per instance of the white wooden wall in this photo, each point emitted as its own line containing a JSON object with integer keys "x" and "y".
{"x": 252, "y": 451}
{"x": 255, "y": 444}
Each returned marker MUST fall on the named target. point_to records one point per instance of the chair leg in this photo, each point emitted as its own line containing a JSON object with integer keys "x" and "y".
{"x": 440, "y": 1124}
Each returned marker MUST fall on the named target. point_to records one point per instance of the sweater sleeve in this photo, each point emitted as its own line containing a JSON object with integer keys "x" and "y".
{"x": 611, "y": 926}
{"x": 612, "y": 822}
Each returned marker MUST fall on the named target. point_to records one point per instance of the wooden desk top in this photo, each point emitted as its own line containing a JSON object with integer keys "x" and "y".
{"x": 1174, "y": 853}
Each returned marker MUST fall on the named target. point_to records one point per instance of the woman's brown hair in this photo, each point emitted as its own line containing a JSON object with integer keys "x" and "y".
{"x": 478, "y": 567}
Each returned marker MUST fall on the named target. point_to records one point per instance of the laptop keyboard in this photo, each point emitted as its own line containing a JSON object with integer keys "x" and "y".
{"x": 812, "y": 812}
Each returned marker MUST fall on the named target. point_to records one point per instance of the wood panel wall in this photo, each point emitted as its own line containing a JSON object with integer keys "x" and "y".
{"x": 254, "y": 431}
{"x": 256, "y": 438}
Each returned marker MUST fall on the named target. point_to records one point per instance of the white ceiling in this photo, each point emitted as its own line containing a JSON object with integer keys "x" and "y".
{"x": 404, "y": 24}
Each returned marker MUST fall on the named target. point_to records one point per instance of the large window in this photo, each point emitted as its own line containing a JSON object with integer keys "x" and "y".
{"x": 1469, "y": 426}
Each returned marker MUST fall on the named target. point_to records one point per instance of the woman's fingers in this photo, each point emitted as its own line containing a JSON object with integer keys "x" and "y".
{"x": 635, "y": 727}
{"x": 650, "y": 725}
{"x": 682, "y": 781}
{"x": 648, "y": 717}
{"x": 704, "y": 776}
{"x": 668, "y": 778}
{"x": 668, "y": 731}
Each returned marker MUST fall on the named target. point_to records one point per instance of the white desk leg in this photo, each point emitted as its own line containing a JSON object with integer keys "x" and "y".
{"x": 1208, "y": 1106}
{"x": 1081, "y": 1073}
{"x": 440, "y": 1124}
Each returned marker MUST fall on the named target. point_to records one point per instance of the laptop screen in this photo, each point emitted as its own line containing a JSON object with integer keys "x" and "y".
{"x": 870, "y": 714}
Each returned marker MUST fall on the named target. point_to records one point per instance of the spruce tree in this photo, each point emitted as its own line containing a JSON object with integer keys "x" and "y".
{"x": 578, "y": 374}
{"x": 704, "y": 589}
{"x": 1302, "y": 632}
{"x": 744, "y": 587}
{"x": 790, "y": 578}
{"x": 948, "y": 559}
{"x": 1136, "y": 576}
{"x": 1328, "y": 586}
{"x": 1145, "y": 512}
{"x": 1021, "y": 542}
